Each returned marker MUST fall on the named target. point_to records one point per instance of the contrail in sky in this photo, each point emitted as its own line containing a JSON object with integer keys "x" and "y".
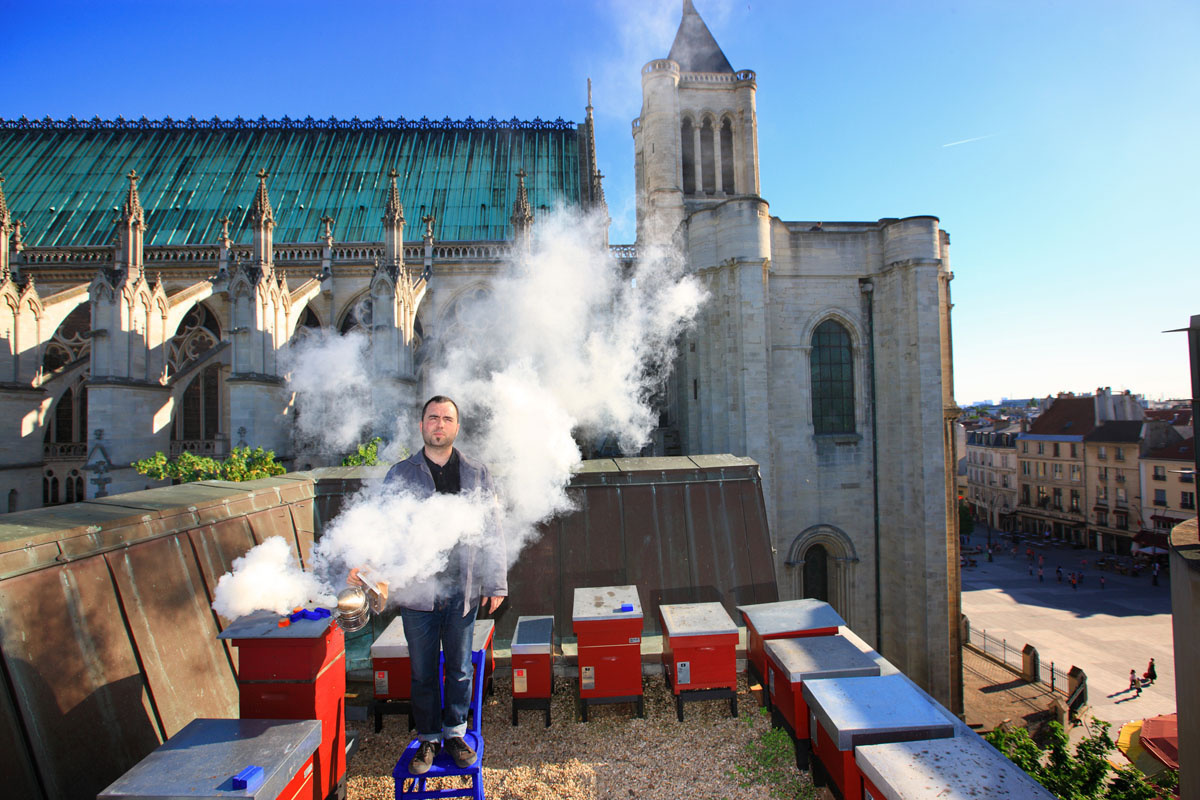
{"x": 972, "y": 139}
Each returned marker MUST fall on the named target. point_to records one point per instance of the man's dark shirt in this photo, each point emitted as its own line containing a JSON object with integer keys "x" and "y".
{"x": 446, "y": 478}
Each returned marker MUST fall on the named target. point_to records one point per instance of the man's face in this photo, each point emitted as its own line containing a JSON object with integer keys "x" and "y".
{"x": 439, "y": 426}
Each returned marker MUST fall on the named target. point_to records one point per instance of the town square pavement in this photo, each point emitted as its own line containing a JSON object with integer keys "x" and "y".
{"x": 1106, "y": 632}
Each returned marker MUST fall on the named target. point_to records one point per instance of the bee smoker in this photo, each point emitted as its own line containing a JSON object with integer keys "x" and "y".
{"x": 355, "y": 604}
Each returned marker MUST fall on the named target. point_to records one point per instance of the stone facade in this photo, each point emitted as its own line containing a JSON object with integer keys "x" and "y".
{"x": 992, "y": 477}
{"x": 823, "y": 353}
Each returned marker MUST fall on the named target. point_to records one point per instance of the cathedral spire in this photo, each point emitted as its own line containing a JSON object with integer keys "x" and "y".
{"x": 5, "y": 227}
{"x": 393, "y": 227}
{"x": 131, "y": 226}
{"x": 522, "y": 214}
{"x": 263, "y": 220}
{"x": 695, "y": 49}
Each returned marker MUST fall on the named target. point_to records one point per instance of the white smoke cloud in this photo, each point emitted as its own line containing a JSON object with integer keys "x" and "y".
{"x": 269, "y": 578}
{"x": 566, "y": 345}
{"x": 329, "y": 373}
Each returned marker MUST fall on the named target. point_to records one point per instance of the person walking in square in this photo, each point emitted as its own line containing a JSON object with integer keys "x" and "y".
{"x": 1135, "y": 685}
{"x": 1151, "y": 672}
{"x": 1041, "y": 576}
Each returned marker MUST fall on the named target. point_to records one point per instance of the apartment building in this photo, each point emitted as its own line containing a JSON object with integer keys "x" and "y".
{"x": 992, "y": 477}
{"x": 1168, "y": 484}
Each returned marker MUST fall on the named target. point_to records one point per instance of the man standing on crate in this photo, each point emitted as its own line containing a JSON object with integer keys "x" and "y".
{"x": 475, "y": 575}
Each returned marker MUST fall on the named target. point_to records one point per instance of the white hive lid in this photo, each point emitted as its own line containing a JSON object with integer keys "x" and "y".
{"x": 697, "y": 619}
{"x": 391, "y": 643}
{"x": 961, "y": 767}
{"x": 787, "y": 616}
{"x": 858, "y": 711}
{"x": 604, "y": 603}
{"x": 820, "y": 657}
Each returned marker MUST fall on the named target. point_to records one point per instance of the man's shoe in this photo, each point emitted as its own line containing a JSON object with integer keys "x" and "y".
{"x": 460, "y": 751}
{"x": 423, "y": 759}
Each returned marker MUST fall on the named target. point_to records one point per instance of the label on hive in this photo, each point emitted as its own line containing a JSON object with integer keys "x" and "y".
{"x": 635, "y": 640}
{"x": 588, "y": 678}
{"x": 381, "y": 681}
{"x": 520, "y": 681}
{"x": 685, "y": 672}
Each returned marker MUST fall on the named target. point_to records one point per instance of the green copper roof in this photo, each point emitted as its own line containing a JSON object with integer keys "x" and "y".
{"x": 63, "y": 179}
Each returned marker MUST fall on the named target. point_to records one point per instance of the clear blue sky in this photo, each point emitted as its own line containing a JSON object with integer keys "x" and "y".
{"x": 1057, "y": 141}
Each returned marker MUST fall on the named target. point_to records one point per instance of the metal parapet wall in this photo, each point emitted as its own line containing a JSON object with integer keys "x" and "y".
{"x": 109, "y": 640}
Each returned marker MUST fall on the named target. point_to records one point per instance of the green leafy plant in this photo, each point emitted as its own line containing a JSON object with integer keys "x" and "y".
{"x": 243, "y": 464}
{"x": 770, "y": 760}
{"x": 966, "y": 523}
{"x": 367, "y": 454}
{"x": 1083, "y": 774}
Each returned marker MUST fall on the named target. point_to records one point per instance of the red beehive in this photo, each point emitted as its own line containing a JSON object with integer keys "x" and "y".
{"x": 296, "y": 672}
{"x": 791, "y": 662}
{"x": 607, "y": 621}
{"x": 847, "y": 712}
{"x": 393, "y": 669}
{"x": 532, "y": 648}
{"x": 699, "y": 653}
{"x": 786, "y": 619}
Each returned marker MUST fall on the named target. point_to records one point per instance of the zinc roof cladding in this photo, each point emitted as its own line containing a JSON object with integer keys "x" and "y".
{"x": 1066, "y": 416}
{"x": 1180, "y": 451}
{"x": 1120, "y": 431}
{"x": 63, "y": 179}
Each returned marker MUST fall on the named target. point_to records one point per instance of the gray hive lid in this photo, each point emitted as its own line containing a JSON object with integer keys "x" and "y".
{"x": 483, "y": 630}
{"x": 200, "y": 760}
{"x": 697, "y": 619}
{"x": 604, "y": 603}
{"x": 820, "y": 657}
{"x": 391, "y": 643}
{"x": 858, "y": 711}
{"x": 786, "y": 616}
{"x": 533, "y": 635}
{"x": 957, "y": 768}
{"x": 265, "y": 625}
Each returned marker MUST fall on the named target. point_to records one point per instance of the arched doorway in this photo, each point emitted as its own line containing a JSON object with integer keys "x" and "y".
{"x": 816, "y": 572}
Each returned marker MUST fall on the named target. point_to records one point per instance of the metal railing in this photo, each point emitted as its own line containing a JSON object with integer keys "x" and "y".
{"x": 1012, "y": 656}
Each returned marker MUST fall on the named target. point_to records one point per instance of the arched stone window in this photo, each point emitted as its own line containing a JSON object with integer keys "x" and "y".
{"x": 359, "y": 316}
{"x": 199, "y": 417}
{"x": 69, "y": 422}
{"x": 832, "y": 379}
{"x": 687, "y": 146}
{"x": 708, "y": 168}
{"x": 70, "y": 341}
{"x": 309, "y": 324}
{"x": 198, "y": 333}
{"x": 727, "y": 185}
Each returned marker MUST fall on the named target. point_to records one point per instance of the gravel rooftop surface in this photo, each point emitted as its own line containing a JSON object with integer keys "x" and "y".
{"x": 613, "y": 755}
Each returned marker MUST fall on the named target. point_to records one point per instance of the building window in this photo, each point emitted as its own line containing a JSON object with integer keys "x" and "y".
{"x": 1074, "y": 451}
{"x": 1122, "y": 521}
{"x": 1102, "y": 494}
{"x": 1121, "y": 497}
{"x": 1075, "y": 500}
{"x": 1058, "y": 472}
{"x": 1160, "y": 497}
{"x": 1041, "y": 469}
{"x": 1025, "y": 468}
{"x": 1187, "y": 477}
{"x": 1119, "y": 454}
{"x": 1056, "y": 453}
{"x": 1076, "y": 473}
{"x": 1004, "y": 461}
{"x": 1160, "y": 473}
{"x": 1024, "y": 494}
{"x": 1024, "y": 447}
{"x": 1057, "y": 499}
{"x": 1101, "y": 516}
{"x": 1041, "y": 448}
{"x": 687, "y": 147}
{"x": 1102, "y": 452}
{"x": 832, "y": 379}
{"x": 1104, "y": 473}
{"x": 708, "y": 175}
{"x": 1043, "y": 496}
{"x": 727, "y": 157}
{"x": 1187, "y": 500}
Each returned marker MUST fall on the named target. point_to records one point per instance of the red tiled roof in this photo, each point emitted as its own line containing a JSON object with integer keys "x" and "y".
{"x": 1180, "y": 451}
{"x": 1066, "y": 416}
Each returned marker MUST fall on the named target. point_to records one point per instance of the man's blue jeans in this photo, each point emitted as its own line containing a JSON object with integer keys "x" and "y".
{"x": 425, "y": 631}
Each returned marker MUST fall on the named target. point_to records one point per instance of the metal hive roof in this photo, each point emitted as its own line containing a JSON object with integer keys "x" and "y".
{"x": 64, "y": 178}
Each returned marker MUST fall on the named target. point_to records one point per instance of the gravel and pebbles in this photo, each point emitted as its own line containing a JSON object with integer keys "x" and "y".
{"x": 613, "y": 755}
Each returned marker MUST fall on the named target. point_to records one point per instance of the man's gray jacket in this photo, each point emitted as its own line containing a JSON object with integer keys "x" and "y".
{"x": 484, "y": 569}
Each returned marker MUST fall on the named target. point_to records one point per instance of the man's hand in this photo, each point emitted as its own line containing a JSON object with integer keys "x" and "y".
{"x": 490, "y": 603}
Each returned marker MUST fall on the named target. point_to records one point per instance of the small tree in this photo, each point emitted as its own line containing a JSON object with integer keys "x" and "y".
{"x": 1081, "y": 775}
{"x": 966, "y": 523}
{"x": 367, "y": 454}
{"x": 243, "y": 464}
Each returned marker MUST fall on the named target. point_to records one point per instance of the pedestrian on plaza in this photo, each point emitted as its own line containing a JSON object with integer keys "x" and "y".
{"x": 1135, "y": 685}
{"x": 1041, "y": 559}
{"x": 1101, "y": 581}
{"x": 1041, "y": 576}
{"x": 1154, "y": 577}
{"x": 1031, "y": 569}
{"x": 1074, "y": 584}
{"x": 1058, "y": 572}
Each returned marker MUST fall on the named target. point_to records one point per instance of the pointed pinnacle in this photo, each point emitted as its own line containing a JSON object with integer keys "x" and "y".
{"x": 260, "y": 210}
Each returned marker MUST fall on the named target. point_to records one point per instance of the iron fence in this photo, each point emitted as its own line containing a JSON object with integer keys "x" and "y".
{"x": 1012, "y": 656}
